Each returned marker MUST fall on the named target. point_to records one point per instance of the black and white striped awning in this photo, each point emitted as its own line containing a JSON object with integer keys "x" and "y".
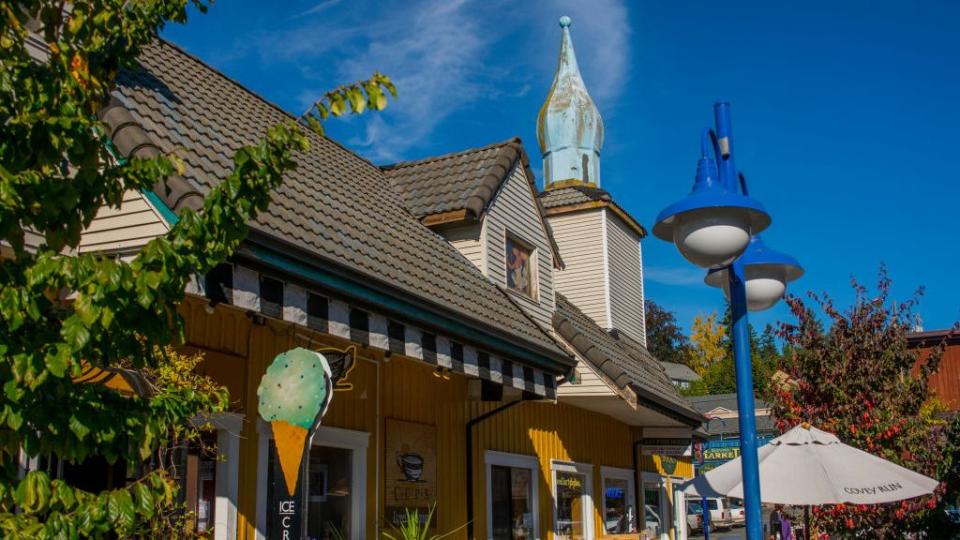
{"x": 249, "y": 289}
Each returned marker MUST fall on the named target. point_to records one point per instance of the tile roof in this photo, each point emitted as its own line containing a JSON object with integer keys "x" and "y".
{"x": 465, "y": 180}
{"x": 708, "y": 403}
{"x": 625, "y": 361}
{"x": 336, "y": 207}
{"x": 555, "y": 197}
{"x": 679, "y": 372}
{"x": 731, "y": 426}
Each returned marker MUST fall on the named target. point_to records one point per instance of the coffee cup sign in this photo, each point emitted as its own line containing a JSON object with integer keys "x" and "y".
{"x": 412, "y": 466}
{"x": 410, "y": 469}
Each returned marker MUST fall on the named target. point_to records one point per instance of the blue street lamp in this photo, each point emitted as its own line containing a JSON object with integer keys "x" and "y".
{"x": 715, "y": 227}
{"x": 767, "y": 273}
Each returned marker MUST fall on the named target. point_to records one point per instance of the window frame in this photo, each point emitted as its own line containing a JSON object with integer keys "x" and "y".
{"x": 356, "y": 441}
{"x": 493, "y": 458}
{"x": 509, "y": 236}
{"x": 586, "y": 469}
{"x": 663, "y": 506}
{"x": 618, "y": 473}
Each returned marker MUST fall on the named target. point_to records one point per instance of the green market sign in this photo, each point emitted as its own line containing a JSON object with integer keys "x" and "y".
{"x": 712, "y": 454}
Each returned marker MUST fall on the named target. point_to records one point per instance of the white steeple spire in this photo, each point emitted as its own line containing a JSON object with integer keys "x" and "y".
{"x": 569, "y": 127}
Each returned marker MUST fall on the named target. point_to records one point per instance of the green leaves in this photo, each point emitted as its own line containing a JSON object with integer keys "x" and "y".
{"x": 33, "y": 493}
{"x": 356, "y": 97}
{"x": 62, "y": 311}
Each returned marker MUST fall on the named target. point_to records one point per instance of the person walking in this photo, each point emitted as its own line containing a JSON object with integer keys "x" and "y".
{"x": 780, "y": 526}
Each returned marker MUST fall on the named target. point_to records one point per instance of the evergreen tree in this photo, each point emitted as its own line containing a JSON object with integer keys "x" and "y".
{"x": 665, "y": 340}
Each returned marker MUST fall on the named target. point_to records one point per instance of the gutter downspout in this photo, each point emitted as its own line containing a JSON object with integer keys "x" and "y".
{"x": 470, "y": 425}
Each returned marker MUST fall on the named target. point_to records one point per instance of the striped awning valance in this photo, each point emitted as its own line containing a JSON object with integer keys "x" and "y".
{"x": 248, "y": 288}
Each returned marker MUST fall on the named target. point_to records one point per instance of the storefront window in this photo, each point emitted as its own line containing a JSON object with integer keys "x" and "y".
{"x": 329, "y": 492}
{"x": 619, "y": 514}
{"x": 653, "y": 520}
{"x": 573, "y": 514}
{"x": 512, "y": 498}
{"x": 206, "y": 492}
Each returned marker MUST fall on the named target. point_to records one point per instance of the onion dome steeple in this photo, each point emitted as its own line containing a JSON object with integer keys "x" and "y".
{"x": 569, "y": 127}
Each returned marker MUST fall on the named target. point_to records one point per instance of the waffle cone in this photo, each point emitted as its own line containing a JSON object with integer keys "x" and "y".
{"x": 289, "y": 440}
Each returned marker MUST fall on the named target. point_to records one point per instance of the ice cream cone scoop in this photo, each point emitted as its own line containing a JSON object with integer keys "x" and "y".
{"x": 294, "y": 394}
{"x": 290, "y": 441}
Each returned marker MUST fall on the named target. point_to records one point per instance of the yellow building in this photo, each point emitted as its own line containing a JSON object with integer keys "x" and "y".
{"x": 500, "y": 370}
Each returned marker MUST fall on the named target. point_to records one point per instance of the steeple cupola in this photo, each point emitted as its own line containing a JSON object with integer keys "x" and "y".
{"x": 569, "y": 127}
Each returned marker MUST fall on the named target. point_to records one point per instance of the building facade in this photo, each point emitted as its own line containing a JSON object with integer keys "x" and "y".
{"x": 945, "y": 381}
{"x": 492, "y": 334}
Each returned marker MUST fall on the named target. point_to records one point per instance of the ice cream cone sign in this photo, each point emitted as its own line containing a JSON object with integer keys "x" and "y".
{"x": 293, "y": 395}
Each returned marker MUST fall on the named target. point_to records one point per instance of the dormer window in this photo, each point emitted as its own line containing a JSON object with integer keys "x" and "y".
{"x": 521, "y": 267}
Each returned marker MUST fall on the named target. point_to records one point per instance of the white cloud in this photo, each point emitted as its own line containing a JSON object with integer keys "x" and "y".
{"x": 601, "y": 39}
{"x": 447, "y": 56}
{"x": 682, "y": 276}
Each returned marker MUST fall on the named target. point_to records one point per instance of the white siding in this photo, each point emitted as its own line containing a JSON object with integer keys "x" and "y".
{"x": 123, "y": 230}
{"x": 514, "y": 209}
{"x": 579, "y": 236}
{"x": 626, "y": 278}
{"x": 467, "y": 241}
{"x": 589, "y": 384}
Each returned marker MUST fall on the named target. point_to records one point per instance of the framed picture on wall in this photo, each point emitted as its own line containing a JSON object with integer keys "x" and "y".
{"x": 520, "y": 272}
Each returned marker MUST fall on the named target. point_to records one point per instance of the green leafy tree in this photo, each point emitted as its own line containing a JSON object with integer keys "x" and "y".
{"x": 855, "y": 377}
{"x": 719, "y": 377}
{"x": 60, "y": 311}
{"x": 665, "y": 339}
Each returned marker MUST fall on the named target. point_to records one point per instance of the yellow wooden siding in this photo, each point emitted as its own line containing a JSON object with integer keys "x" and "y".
{"x": 514, "y": 209}
{"x": 409, "y": 391}
{"x": 626, "y": 278}
{"x": 579, "y": 236}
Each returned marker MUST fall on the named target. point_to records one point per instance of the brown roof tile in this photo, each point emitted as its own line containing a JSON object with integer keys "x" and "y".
{"x": 623, "y": 360}
{"x": 465, "y": 180}
{"x": 570, "y": 195}
{"x": 336, "y": 207}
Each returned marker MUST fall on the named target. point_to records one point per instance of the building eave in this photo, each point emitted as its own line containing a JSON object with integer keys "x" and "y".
{"x": 279, "y": 256}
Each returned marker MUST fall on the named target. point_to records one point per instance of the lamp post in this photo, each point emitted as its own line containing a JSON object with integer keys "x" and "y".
{"x": 715, "y": 227}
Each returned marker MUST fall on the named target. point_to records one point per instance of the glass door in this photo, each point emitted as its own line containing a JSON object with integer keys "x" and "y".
{"x": 574, "y": 506}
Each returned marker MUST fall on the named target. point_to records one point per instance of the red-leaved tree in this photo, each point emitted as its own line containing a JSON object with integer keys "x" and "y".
{"x": 853, "y": 375}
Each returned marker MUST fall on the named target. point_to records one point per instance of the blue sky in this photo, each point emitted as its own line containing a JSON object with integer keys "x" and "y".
{"x": 845, "y": 113}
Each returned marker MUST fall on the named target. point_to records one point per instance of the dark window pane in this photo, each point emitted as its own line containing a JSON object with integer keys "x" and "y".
{"x": 271, "y": 297}
{"x": 317, "y": 312}
{"x": 511, "y": 496}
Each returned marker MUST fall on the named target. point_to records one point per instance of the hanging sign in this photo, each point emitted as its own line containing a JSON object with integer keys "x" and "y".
{"x": 718, "y": 452}
{"x": 665, "y": 446}
{"x": 410, "y": 471}
{"x": 293, "y": 395}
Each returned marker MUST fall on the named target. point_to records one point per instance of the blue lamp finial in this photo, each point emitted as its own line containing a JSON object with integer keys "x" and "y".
{"x": 565, "y": 21}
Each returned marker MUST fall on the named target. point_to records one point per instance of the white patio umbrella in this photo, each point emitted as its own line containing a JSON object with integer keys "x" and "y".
{"x": 807, "y": 466}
